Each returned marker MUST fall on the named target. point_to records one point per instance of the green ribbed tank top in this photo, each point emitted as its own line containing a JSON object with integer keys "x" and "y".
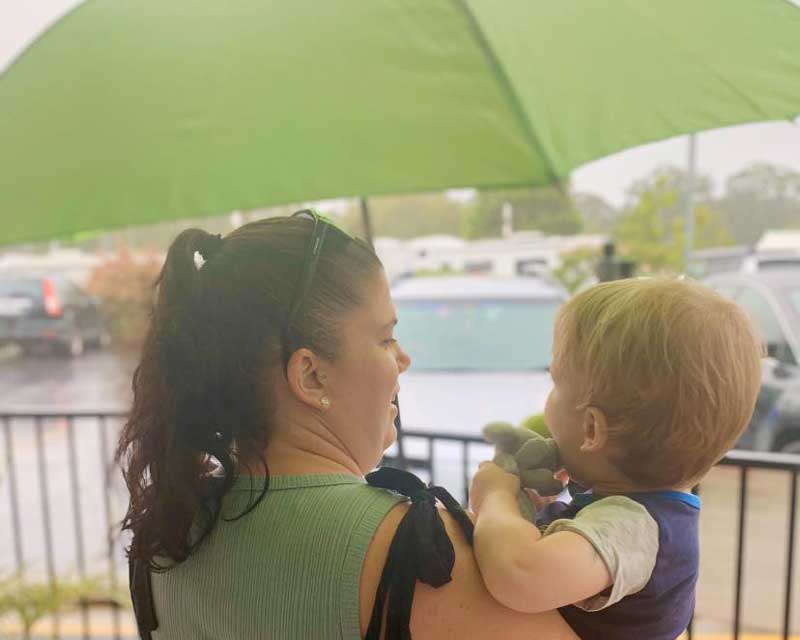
{"x": 290, "y": 569}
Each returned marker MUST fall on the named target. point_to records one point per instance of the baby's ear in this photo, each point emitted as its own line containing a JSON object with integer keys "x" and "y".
{"x": 595, "y": 430}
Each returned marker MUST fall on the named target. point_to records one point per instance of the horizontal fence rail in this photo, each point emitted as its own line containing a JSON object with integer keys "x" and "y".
{"x": 63, "y": 501}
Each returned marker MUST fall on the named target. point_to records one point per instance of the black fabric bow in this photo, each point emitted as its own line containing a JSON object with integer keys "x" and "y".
{"x": 421, "y": 550}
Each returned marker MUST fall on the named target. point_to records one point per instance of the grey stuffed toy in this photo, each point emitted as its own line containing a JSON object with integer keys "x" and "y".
{"x": 528, "y": 455}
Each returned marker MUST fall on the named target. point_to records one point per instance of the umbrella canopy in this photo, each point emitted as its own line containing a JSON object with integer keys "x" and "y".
{"x": 130, "y": 112}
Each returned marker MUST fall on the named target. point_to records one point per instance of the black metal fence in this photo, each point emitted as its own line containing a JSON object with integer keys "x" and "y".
{"x": 746, "y": 462}
{"x": 62, "y": 501}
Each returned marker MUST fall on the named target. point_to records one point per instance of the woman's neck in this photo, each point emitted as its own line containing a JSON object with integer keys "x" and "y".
{"x": 303, "y": 449}
{"x": 286, "y": 459}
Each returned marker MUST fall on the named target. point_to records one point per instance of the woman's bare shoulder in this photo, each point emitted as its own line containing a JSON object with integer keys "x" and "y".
{"x": 461, "y": 608}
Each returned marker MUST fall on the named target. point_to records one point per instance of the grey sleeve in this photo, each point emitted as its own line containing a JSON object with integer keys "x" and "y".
{"x": 625, "y": 536}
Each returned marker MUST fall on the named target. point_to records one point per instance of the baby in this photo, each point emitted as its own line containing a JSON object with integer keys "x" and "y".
{"x": 654, "y": 380}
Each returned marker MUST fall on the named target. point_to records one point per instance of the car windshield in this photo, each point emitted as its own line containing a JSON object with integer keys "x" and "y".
{"x": 477, "y": 335}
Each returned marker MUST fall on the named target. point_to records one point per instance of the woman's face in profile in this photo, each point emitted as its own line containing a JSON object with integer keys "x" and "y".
{"x": 363, "y": 380}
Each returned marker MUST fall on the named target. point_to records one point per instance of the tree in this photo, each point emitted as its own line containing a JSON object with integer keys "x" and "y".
{"x": 546, "y": 209}
{"x": 407, "y": 216}
{"x": 577, "y": 268}
{"x": 710, "y": 227}
{"x": 597, "y": 214}
{"x": 761, "y": 197}
{"x": 678, "y": 179}
{"x": 125, "y": 286}
{"x": 651, "y": 230}
{"x": 644, "y": 235}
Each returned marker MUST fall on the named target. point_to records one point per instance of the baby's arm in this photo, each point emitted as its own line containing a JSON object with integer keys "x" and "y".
{"x": 523, "y": 570}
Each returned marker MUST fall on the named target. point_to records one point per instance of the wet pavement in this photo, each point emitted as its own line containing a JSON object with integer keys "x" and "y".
{"x": 97, "y": 379}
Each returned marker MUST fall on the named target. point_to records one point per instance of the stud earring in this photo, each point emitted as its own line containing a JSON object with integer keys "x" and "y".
{"x": 325, "y": 402}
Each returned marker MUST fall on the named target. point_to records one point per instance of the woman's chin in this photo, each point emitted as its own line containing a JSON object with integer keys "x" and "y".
{"x": 390, "y": 437}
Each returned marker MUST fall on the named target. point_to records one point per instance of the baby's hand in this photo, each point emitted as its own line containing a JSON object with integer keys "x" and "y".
{"x": 489, "y": 479}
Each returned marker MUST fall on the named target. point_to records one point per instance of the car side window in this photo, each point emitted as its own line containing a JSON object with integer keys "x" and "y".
{"x": 759, "y": 309}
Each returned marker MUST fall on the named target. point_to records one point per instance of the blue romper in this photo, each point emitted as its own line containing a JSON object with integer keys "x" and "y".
{"x": 662, "y": 609}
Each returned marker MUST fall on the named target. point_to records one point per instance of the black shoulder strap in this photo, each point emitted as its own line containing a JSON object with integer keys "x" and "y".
{"x": 421, "y": 550}
{"x": 142, "y": 598}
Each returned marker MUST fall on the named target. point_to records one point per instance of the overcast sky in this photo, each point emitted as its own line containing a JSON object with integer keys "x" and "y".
{"x": 720, "y": 153}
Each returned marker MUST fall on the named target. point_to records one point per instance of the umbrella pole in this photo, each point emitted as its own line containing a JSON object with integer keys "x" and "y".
{"x": 689, "y": 202}
{"x": 367, "y": 222}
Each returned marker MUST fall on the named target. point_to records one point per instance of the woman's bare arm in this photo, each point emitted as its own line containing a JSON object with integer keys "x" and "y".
{"x": 461, "y": 608}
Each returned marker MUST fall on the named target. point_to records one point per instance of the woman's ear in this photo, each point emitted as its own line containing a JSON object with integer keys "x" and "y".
{"x": 306, "y": 379}
{"x": 595, "y": 430}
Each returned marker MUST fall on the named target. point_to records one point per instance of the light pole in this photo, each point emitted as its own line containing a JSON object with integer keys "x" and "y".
{"x": 366, "y": 220}
{"x": 688, "y": 216}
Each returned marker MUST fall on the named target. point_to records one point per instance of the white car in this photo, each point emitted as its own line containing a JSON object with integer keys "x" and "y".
{"x": 480, "y": 350}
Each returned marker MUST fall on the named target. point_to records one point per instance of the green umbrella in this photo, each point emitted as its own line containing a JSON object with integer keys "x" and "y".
{"x": 128, "y": 112}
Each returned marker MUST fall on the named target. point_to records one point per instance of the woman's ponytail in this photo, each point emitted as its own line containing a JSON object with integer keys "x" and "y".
{"x": 185, "y": 336}
{"x": 178, "y": 431}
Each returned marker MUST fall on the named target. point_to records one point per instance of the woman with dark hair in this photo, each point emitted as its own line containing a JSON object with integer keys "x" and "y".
{"x": 263, "y": 398}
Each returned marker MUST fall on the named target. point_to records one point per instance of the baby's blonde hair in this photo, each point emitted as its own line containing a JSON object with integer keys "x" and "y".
{"x": 674, "y": 366}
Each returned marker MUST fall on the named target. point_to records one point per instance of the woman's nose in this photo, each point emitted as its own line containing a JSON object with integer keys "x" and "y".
{"x": 403, "y": 359}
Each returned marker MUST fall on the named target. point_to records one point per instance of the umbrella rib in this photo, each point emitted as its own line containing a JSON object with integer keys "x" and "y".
{"x": 502, "y": 77}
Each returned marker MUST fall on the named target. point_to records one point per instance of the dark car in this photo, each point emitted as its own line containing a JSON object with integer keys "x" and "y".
{"x": 772, "y": 299}
{"x": 49, "y": 312}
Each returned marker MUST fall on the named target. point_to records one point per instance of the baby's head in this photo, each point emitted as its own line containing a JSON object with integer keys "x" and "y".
{"x": 655, "y": 379}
